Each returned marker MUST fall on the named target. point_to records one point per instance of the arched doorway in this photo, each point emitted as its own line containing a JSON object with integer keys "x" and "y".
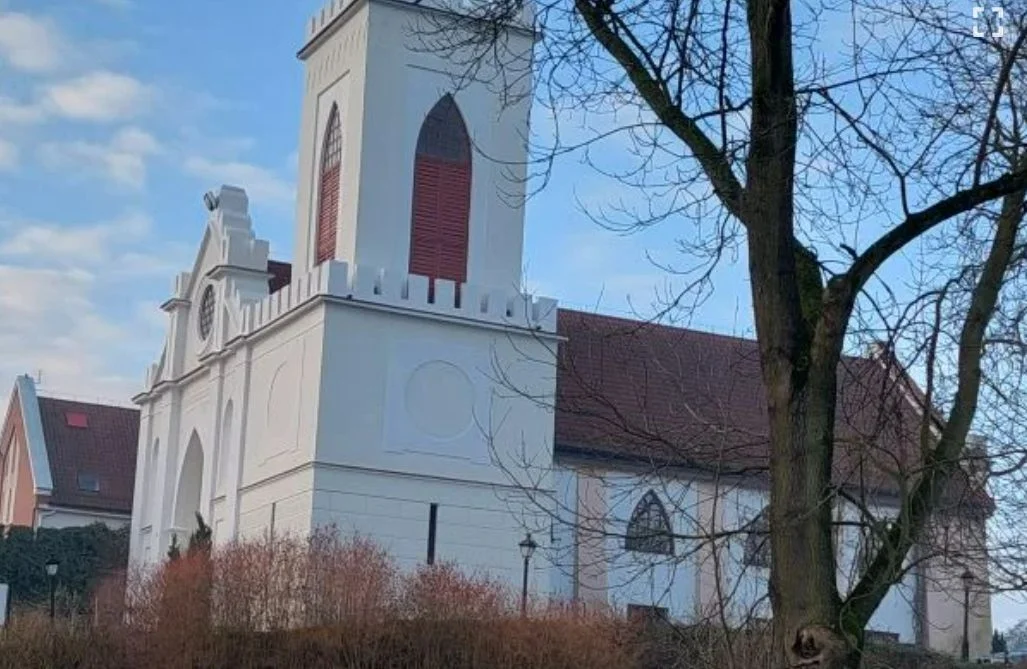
{"x": 187, "y": 495}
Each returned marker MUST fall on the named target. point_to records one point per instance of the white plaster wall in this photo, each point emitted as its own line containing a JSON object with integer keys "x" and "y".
{"x": 562, "y": 553}
{"x": 284, "y": 391}
{"x": 743, "y": 588}
{"x": 65, "y": 517}
{"x": 282, "y": 504}
{"x": 417, "y": 77}
{"x": 644, "y": 579}
{"x": 411, "y": 393}
{"x": 897, "y": 611}
{"x": 335, "y": 73}
{"x": 479, "y": 525}
{"x": 943, "y": 626}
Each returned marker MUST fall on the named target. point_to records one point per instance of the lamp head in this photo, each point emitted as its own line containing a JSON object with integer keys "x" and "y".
{"x": 967, "y": 577}
{"x": 528, "y": 546}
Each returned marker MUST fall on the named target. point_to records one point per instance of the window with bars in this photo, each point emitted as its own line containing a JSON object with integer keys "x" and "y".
{"x": 329, "y": 183}
{"x": 206, "y": 318}
{"x": 442, "y": 196}
{"x": 649, "y": 529}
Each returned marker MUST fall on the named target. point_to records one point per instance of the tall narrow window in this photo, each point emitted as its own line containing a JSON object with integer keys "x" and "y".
{"x": 328, "y": 189}
{"x": 433, "y": 517}
{"x": 442, "y": 196}
{"x": 649, "y": 529}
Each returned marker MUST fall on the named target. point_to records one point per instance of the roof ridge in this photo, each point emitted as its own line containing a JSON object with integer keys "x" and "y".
{"x": 646, "y": 323}
{"x": 639, "y": 322}
{"x": 97, "y": 402}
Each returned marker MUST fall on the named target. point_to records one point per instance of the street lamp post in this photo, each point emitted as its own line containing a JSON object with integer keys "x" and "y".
{"x": 51, "y": 573}
{"x": 528, "y": 547}
{"x": 967, "y": 578}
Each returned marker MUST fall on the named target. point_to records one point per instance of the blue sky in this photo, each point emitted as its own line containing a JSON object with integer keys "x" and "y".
{"x": 116, "y": 116}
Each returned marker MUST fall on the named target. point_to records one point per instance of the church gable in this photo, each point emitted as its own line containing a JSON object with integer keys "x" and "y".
{"x": 231, "y": 270}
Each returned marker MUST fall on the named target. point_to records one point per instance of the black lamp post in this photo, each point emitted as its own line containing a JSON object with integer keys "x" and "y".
{"x": 967, "y": 578}
{"x": 51, "y": 573}
{"x": 528, "y": 547}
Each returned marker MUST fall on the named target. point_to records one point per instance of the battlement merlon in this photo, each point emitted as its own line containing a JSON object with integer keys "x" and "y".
{"x": 333, "y": 14}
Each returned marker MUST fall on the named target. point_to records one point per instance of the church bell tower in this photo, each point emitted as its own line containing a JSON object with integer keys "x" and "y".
{"x": 406, "y": 163}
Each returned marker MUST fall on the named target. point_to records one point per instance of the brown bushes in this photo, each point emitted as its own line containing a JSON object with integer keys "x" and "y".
{"x": 330, "y": 602}
{"x": 317, "y": 602}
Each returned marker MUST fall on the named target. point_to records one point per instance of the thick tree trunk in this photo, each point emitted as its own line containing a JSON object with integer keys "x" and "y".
{"x": 798, "y": 363}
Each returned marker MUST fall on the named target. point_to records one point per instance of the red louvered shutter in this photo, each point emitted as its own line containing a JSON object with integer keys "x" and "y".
{"x": 442, "y": 197}
{"x": 328, "y": 190}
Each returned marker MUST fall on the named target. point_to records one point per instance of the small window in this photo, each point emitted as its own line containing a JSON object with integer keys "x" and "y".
{"x": 88, "y": 482}
{"x": 649, "y": 528}
{"x": 757, "y": 542}
{"x": 74, "y": 419}
{"x": 206, "y": 312}
{"x": 638, "y": 613}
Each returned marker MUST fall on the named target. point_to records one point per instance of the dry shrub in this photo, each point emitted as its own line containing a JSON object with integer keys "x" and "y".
{"x": 328, "y": 601}
{"x": 353, "y": 579}
{"x": 321, "y": 601}
{"x": 442, "y": 591}
{"x": 33, "y": 640}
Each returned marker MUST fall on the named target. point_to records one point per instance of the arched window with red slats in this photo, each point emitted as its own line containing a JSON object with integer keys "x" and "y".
{"x": 328, "y": 189}
{"x": 442, "y": 196}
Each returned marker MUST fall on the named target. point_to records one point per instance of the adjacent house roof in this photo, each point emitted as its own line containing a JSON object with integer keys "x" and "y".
{"x": 103, "y": 450}
{"x": 281, "y": 275}
{"x": 82, "y": 455}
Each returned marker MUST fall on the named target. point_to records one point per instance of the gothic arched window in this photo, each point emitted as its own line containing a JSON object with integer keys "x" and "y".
{"x": 442, "y": 196}
{"x": 649, "y": 529}
{"x": 757, "y": 542}
{"x": 328, "y": 189}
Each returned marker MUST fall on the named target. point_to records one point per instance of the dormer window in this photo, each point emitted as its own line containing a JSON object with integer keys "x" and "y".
{"x": 76, "y": 419}
{"x": 88, "y": 482}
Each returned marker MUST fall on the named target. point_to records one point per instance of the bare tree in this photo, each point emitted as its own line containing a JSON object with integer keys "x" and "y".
{"x": 871, "y": 158}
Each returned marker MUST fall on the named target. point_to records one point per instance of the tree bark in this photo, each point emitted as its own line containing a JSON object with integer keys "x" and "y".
{"x": 799, "y": 347}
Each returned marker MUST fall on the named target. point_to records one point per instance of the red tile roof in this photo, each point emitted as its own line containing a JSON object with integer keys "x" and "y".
{"x": 281, "y": 275}
{"x": 668, "y": 396}
{"x": 106, "y": 448}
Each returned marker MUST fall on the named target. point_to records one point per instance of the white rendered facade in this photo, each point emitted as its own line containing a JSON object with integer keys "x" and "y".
{"x": 350, "y": 397}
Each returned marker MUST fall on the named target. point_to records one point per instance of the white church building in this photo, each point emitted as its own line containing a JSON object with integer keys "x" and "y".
{"x": 395, "y": 380}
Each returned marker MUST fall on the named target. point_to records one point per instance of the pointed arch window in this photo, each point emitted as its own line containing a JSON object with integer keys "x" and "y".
{"x": 442, "y": 196}
{"x": 757, "y": 542}
{"x": 649, "y": 528}
{"x": 329, "y": 181}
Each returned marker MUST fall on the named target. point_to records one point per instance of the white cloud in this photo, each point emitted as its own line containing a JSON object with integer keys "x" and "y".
{"x": 8, "y": 156}
{"x": 55, "y": 325}
{"x": 122, "y": 160}
{"x": 76, "y": 246}
{"x": 98, "y": 96}
{"x": 30, "y": 44}
{"x": 261, "y": 184}
{"x": 12, "y": 112}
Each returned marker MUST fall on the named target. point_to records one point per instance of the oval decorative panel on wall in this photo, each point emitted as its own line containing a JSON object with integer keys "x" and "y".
{"x": 440, "y": 399}
{"x": 282, "y": 412}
